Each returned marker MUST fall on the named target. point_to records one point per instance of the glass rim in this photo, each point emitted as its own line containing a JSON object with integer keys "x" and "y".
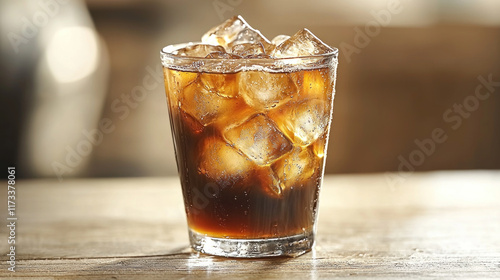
{"x": 229, "y": 65}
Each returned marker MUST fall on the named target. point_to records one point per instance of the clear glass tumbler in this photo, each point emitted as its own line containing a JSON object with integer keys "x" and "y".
{"x": 250, "y": 137}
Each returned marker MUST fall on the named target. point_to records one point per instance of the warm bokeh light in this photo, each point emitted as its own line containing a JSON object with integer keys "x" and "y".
{"x": 72, "y": 54}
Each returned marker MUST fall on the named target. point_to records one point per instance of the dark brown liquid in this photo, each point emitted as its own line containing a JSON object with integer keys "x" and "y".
{"x": 248, "y": 204}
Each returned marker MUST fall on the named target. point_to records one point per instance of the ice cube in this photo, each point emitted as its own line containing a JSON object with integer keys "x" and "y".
{"x": 199, "y": 50}
{"x": 279, "y": 39}
{"x": 248, "y": 49}
{"x": 226, "y": 32}
{"x": 175, "y": 82}
{"x": 302, "y": 121}
{"x": 223, "y": 62}
{"x": 259, "y": 139}
{"x": 269, "y": 181}
{"x": 221, "y": 162}
{"x": 224, "y": 85}
{"x": 204, "y": 105}
{"x": 317, "y": 84}
{"x": 192, "y": 125}
{"x": 250, "y": 36}
{"x": 234, "y": 31}
{"x": 275, "y": 42}
{"x": 296, "y": 168}
{"x": 319, "y": 146}
{"x": 302, "y": 43}
{"x": 265, "y": 90}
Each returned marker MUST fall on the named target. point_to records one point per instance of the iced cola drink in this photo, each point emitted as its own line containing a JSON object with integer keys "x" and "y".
{"x": 250, "y": 120}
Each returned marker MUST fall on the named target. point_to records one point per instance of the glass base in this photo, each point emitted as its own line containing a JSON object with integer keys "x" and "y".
{"x": 291, "y": 246}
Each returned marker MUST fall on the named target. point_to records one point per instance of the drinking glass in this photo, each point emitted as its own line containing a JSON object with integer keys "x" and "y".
{"x": 250, "y": 138}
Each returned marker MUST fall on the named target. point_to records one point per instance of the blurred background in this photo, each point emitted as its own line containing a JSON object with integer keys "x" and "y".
{"x": 82, "y": 92}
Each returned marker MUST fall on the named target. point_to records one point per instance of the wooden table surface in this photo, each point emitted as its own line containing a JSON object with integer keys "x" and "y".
{"x": 432, "y": 225}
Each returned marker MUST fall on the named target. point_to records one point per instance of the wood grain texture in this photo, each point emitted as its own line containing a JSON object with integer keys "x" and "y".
{"x": 432, "y": 225}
